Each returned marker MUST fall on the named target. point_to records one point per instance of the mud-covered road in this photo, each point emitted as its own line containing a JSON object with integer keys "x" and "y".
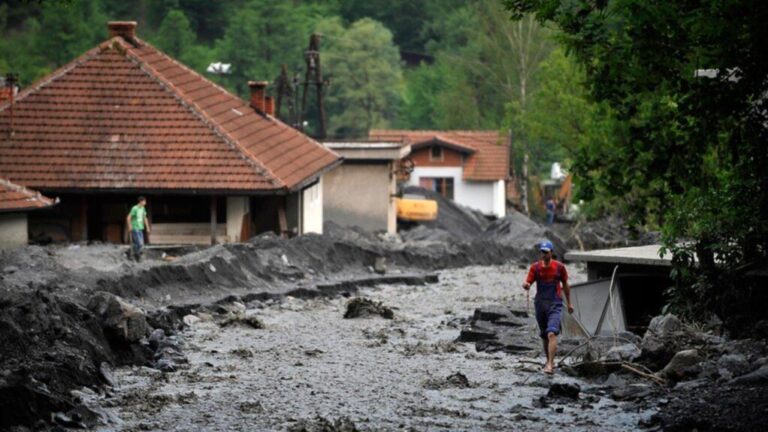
{"x": 309, "y": 367}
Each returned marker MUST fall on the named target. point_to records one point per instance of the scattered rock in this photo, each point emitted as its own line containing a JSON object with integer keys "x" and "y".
{"x": 190, "y": 320}
{"x": 10, "y": 269}
{"x": 321, "y": 424}
{"x": 476, "y": 332}
{"x": 732, "y": 365}
{"x": 361, "y": 307}
{"x": 682, "y": 364}
{"x": 692, "y": 384}
{"x": 106, "y": 373}
{"x": 627, "y": 352}
{"x": 631, "y": 392}
{"x": 455, "y": 380}
{"x": 121, "y": 320}
{"x": 755, "y": 377}
{"x": 615, "y": 380}
{"x": 664, "y": 325}
{"x": 380, "y": 265}
{"x": 251, "y": 321}
{"x": 564, "y": 390}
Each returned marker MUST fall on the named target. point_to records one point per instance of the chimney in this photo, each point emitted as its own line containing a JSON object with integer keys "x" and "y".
{"x": 125, "y": 29}
{"x": 258, "y": 88}
{"x": 269, "y": 105}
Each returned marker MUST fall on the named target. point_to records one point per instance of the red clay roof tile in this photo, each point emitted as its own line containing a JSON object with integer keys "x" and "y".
{"x": 18, "y": 198}
{"x": 127, "y": 117}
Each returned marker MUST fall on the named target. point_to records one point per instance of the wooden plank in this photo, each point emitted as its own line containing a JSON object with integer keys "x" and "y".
{"x": 187, "y": 239}
{"x": 214, "y": 202}
{"x": 282, "y": 219}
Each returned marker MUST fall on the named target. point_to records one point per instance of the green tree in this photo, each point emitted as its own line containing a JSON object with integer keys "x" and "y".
{"x": 175, "y": 36}
{"x": 69, "y": 29}
{"x": 694, "y": 157}
{"x": 261, "y": 36}
{"x": 366, "y": 79}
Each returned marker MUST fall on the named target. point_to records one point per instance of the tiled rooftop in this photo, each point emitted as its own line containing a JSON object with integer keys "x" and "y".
{"x": 124, "y": 116}
{"x": 488, "y": 151}
{"x": 17, "y": 198}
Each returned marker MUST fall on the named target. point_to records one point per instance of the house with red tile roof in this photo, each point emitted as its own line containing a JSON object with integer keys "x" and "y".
{"x": 469, "y": 167}
{"x": 15, "y": 202}
{"x": 124, "y": 120}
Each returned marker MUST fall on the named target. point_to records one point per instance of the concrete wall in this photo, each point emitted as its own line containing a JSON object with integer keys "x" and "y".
{"x": 13, "y": 230}
{"x": 360, "y": 194}
{"x": 237, "y": 208}
{"x": 312, "y": 208}
{"x": 487, "y": 197}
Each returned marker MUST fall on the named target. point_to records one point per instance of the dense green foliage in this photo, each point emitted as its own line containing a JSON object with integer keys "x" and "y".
{"x": 690, "y": 154}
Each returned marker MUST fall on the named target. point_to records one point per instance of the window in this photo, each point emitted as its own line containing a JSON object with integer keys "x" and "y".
{"x": 441, "y": 185}
{"x": 436, "y": 153}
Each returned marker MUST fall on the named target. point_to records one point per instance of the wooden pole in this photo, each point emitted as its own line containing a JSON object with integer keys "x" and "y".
{"x": 213, "y": 219}
{"x": 282, "y": 218}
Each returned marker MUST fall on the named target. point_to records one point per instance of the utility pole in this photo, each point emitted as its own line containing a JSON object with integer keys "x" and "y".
{"x": 314, "y": 77}
{"x": 286, "y": 90}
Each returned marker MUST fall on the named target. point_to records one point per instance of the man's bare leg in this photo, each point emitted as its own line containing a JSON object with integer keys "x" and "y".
{"x": 551, "y": 349}
{"x": 545, "y": 344}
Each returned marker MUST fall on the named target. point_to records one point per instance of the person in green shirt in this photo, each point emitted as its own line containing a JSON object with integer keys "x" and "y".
{"x": 138, "y": 222}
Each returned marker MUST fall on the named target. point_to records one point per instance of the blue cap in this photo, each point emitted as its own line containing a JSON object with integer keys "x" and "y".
{"x": 546, "y": 246}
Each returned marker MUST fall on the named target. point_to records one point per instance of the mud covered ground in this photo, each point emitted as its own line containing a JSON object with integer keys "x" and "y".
{"x": 309, "y": 368}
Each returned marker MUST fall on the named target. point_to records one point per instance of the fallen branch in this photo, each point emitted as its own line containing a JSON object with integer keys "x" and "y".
{"x": 631, "y": 367}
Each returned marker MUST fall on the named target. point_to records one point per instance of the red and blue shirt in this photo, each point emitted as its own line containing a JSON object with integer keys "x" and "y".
{"x": 548, "y": 280}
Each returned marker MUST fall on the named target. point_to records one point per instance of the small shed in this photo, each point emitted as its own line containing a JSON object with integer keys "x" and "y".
{"x": 15, "y": 202}
{"x": 361, "y": 192}
{"x": 624, "y": 290}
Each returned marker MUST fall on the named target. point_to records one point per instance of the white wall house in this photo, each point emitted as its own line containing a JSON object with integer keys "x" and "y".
{"x": 469, "y": 167}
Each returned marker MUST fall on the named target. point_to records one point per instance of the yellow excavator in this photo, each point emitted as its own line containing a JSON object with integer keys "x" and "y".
{"x": 412, "y": 207}
{"x": 416, "y": 208}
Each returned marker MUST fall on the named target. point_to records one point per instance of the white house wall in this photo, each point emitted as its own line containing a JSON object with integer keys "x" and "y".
{"x": 312, "y": 208}
{"x": 13, "y": 230}
{"x": 487, "y": 197}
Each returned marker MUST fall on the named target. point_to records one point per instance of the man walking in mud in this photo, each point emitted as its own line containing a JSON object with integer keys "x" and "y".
{"x": 551, "y": 279}
{"x": 137, "y": 221}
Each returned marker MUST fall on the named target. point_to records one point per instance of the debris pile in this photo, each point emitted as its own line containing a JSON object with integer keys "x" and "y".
{"x": 496, "y": 328}
{"x": 672, "y": 367}
{"x": 457, "y": 224}
{"x": 604, "y": 233}
{"x": 454, "y": 221}
{"x": 361, "y": 307}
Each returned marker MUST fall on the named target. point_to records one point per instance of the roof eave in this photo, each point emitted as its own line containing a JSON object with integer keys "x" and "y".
{"x": 311, "y": 179}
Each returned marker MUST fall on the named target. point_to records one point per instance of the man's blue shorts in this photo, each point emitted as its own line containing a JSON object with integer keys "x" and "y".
{"x": 548, "y": 316}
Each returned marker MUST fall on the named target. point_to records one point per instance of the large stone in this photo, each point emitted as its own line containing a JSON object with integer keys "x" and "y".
{"x": 682, "y": 364}
{"x": 477, "y": 332}
{"x": 120, "y": 319}
{"x": 631, "y": 392}
{"x": 759, "y": 376}
{"x": 491, "y": 313}
{"x": 564, "y": 390}
{"x": 659, "y": 344}
{"x": 732, "y": 365}
{"x": 626, "y": 352}
{"x": 664, "y": 325}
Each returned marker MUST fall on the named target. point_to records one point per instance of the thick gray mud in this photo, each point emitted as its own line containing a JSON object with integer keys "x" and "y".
{"x": 310, "y": 366}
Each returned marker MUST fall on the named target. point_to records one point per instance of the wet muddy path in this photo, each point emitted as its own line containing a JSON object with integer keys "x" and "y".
{"x": 310, "y": 363}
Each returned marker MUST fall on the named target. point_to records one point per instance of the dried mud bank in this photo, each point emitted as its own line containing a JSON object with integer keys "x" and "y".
{"x": 58, "y": 340}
